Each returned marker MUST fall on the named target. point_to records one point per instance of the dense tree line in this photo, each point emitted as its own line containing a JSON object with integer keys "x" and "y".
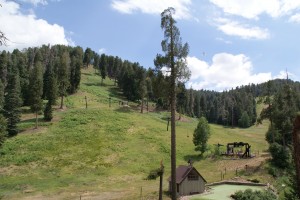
{"x": 236, "y": 107}
{"x": 280, "y": 109}
{"x": 34, "y": 75}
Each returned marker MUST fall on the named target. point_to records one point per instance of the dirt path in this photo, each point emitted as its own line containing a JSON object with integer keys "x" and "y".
{"x": 251, "y": 165}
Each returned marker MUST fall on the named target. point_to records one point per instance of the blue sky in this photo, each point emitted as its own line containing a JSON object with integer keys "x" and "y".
{"x": 232, "y": 42}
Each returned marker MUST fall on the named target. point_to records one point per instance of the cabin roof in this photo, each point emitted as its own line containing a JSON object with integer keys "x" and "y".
{"x": 183, "y": 171}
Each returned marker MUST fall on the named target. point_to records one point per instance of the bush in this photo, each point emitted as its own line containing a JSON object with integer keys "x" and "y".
{"x": 280, "y": 155}
{"x": 154, "y": 174}
{"x": 269, "y": 133}
{"x": 249, "y": 194}
{"x": 273, "y": 171}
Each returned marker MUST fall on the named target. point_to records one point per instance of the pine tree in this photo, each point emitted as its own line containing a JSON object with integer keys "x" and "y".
{"x": 63, "y": 76}
{"x": 3, "y": 67}
{"x": 36, "y": 90}
{"x": 201, "y": 135}
{"x": 12, "y": 103}
{"x": 1, "y": 94}
{"x": 76, "y": 65}
{"x": 3, "y": 131}
{"x": 50, "y": 84}
{"x": 244, "y": 121}
{"x": 88, "y": 56}
{"x": 174, "y": 60}
{"x": 142, "y": 88}
{"x": 48, "y": 113}
{"x": 3, "y": 124}
{"x": 75, "y": 74}
{"x": 117, "y": 68}
{"x": 103, "y": 67}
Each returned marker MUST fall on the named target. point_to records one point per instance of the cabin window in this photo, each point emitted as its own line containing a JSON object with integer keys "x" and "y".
{"x": 193, "y": 177}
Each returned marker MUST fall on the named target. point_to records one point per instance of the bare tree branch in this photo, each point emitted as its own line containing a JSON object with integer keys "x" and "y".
{"x": 3, "y": 39}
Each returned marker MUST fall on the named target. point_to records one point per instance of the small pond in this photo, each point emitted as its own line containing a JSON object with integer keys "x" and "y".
{"x": 223, "y": 191}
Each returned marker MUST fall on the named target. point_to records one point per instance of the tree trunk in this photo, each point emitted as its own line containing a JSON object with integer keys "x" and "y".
{"x": 147, "y": 104}
{"x": 296, "y": 143}
{"x": 62, "y": 102}
{"x": 161, "y": 184}
{"x": 86, "y": 105}
{"x": 142, "y": 105}
{"x": 36, "y": 120}
{"x": 173, "y": 112}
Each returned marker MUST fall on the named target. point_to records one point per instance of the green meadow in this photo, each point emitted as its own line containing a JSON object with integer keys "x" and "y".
{"x": 107, "y": 152}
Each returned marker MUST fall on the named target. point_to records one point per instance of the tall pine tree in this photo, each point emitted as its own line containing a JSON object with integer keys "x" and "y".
{"x": 36, "y": 90}
{"x": 175, "y": 61}
{"x": 63, "y": 76}
{"x": 12, "y": 103}
{"x": 103, "y": 67}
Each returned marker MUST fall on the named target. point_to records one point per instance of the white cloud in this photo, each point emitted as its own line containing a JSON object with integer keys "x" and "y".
{"x": 254, "y": 8}
{"x": 225, "y": 72}
{"x": 102, "y": 50}
{"x": 244, "y": 31}
{"x": 295, "y": 18}
{"x": 26, "y": 30}
{"x": 153, "y": 7}
{"x": 223, "y": 40}
{"x": 36, "y": 2}
{"x": 283, "y": 75}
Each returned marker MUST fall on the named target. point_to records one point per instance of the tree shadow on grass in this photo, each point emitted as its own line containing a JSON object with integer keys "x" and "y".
{"x": 30, "y": 123}
{"x": 124, "y": 109}
{"x": 116, "y": 93}
{"x": 193, "y": 157}
{"x": 94, "y": 84}
{"x": 87, "y": 74}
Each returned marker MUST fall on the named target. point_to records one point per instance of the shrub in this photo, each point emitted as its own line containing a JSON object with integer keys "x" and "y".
{"x": 249, "y": 194}
{"x": 280, "y": 155}
{"x": 269, "y": 134}
{"x": 153, "y": 174}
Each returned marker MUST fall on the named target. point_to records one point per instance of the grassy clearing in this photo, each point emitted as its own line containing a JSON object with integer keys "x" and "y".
{"x": 106, "y": 152}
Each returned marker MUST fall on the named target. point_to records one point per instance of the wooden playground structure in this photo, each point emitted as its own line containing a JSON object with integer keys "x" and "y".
{"x": 235, "y": 149}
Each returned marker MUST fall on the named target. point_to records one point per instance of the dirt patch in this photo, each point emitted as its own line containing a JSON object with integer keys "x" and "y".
{"x": 182, "y": 119}
{"x": 40, "y": 129}
{"x": 251, "y": 163}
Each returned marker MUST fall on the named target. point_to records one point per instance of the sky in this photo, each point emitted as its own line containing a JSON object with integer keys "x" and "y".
{"x": 232, "y": 42}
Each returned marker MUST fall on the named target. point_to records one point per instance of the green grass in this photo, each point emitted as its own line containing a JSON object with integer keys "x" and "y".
{"x": 105, "y": 151}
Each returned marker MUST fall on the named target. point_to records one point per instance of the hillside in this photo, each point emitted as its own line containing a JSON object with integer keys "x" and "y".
{"x": 107, "y": 152}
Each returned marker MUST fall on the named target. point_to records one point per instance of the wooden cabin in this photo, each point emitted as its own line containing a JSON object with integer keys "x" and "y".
{"x": 189, "y": 181}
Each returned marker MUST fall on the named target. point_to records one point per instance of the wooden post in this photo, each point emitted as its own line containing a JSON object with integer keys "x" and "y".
{"x": 168, "y": 123}
{"x": 109, "y": 99}
{"x": 85, "y": 102}
{"x": 141, "y": 193}
{"x": 161, "y": 174}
